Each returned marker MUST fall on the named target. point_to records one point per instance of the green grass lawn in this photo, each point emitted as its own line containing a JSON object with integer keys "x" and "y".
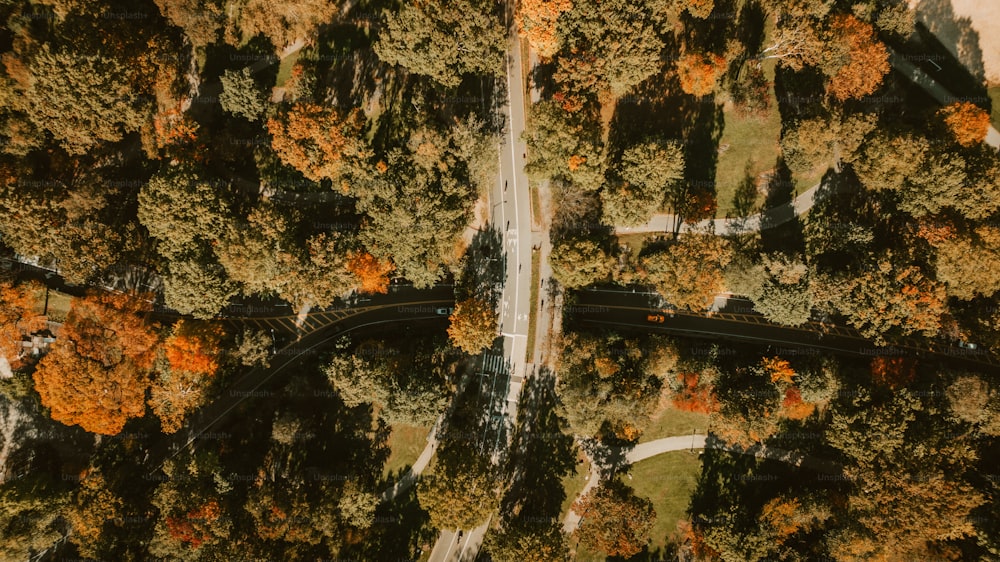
{"x": 285, "y": 68}
{"x": 573, "y": 484}
{"x": 536, "y": 268}
{"x": 668, "y": 480}
{"x": 58, "y": 305}
{"x": 673, "y": 422}
{"x": 747, "y": 146}
{"x": 406, "y": 443}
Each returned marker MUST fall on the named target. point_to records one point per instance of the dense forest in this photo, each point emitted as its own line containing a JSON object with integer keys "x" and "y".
{"x": 171, "y": 163}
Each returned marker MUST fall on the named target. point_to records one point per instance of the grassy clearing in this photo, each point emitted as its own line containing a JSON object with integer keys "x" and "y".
{"x": 285, "y": 68}
{"x": 636, "y": 241}
{"x": 536, "y": 202}
{"x": 536, "y": 274}
{"x": 405, "y": 443}
{"x": 747, "y": 146}
{"x": 673, "y": 422}
{"x": 668, "y": 480}
{"x": 573, "y": 484}
{"x": 58, "y": 305}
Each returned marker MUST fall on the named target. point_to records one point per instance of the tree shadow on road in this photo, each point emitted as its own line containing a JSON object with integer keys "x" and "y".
{"x": 483, "y": 271}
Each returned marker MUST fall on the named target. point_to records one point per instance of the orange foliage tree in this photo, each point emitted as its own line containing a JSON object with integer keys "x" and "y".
{"x": 700, "y": 73}
{"x": 96, "y": 374}
{"x": 536, "y": 20}
{"x": 966, "y": 121}
{"x": 473, "y": 325}
{"x": 793, "y": 407}
{"x": 372, "y": 273}
{"x": 194, "y": 528}
{"x": 17, "y": 316}
{"x": 778, "y": 369}
{"x": 692, "y": 396}
{"x": 866, "y": 62}
{"x": 615, "y": 520}
{"x": 189, "y": 360}
{"x": 315, "y": 140}
{"x": 893, "y": 372}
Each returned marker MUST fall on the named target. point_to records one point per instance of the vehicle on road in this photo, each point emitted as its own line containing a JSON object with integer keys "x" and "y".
{"x": 655, "y": 318}
{"x": 446, "y": 311}
{"x": 967, "y": 345}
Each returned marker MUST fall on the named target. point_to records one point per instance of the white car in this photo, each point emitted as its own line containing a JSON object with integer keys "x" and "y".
{"x": 445, "y": 311}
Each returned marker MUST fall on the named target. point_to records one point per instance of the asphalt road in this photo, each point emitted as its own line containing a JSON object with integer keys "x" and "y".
{"x": 406, "y": 306}
{"x": 630, "y": 311}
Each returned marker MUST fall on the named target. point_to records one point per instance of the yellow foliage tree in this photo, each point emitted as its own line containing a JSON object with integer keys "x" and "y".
{"x": 536, "y": 20}
{"x": 473, "y": 326}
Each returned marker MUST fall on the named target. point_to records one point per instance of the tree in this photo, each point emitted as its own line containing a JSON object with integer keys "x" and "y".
{"x": 779, "y": 288}
{"x": 825, "y": 142}
{"x": 610, "y": 46}
{"x": 537, "y": 21}
{"x": 316, "y": 140}
{"x": 967, "y": 122}
{"x": 889, "y": 159}
{"x": 284, "y": 22}
{"x": 580, "y": 262}
{"x": 858, "y": 62}
{"x": 969, "y": 264}
{"x": 615, "y": 521}
{"x": 690, "y": 394}
{"x": 182, "y": 210}
{"x": 197, "y": 285}
{"x": 698, "y": 8}
{"x": 96, "y": 373}
{"x": 241, "y": 95}
{"x": 201, "y": 21}
{"x": 17, "y": 316}
{"x": 689, "y": 272}
{"x": 887, "y": 297}
{"x": 253, "y": 348}
{"x": 459, "y": 496}
{"x": 189, "y": 361}
{"x": 444, "y": 39}
{"x": 473, "y": 326}
{"x": 520, "y": 541}
{"x": 82, "y": 100}
{"x": 700, "y": 72}
{"x": 649, "y": 172}
{"x": 94, "y": 508}
{"x": 372, "y": 274}
{"x": 566, "y": 146}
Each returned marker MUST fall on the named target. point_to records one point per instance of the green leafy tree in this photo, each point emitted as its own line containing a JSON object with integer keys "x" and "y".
{"x": 182, "y": 210}
{"x": 578, "y": 262}
{"x": 459, "y": 495}
{"x": 610, "y": 45}
{"x": 241, "y": 95}
{"x": 566, "y": 146}
{"x": 969, "y": 264}
{"x": 651, "y": 172}
{"x": 444, "y": 39}
{"x": 779, "y": 288}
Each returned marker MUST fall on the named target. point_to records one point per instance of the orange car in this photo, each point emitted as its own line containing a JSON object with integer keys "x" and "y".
{"x": 657, "y": 318}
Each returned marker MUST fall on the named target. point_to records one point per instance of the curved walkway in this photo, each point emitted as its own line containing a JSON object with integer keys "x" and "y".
{"x": 643, "y": 451}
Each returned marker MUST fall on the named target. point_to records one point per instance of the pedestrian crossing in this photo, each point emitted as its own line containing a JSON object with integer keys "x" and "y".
{"x": 494, "y": 364}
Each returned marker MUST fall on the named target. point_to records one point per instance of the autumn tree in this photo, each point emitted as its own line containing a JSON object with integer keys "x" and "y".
{"x": 17, "y": 317}
{"x": 461, "y": 493}
{"x": 858, "y": 61}
{"x": 201, "y": 21}
{"x": 284, "y": 22}
{"x": 189, "y": 361}
{"x": 967, "y": 122}
{"x": 816, "y": 144}
{"x": 241, "y": 95}
{"x": 692, "y": 393}
{"x": 473, "y": 326}
{"x": 197, "y": 285}
{"x": 444, "y": 40}
{"x": 607, "y": 382}
{"x": 96, "y": 373}
{"x": 315, "y": 140}
{"x": 651, "y": 173}
{"x": 689, "y": 272}
{"x": 193, "y": 518}
{"x": 700, "y": 72}
{"x": 778, "y": 286}
{"x": 81, "y": 99}
{"x": 372, "y": 274}
{"x": 95, "y": 507}
{"x": 615, "y": 520}
{"x": 969, "y": 263}
{"x": 537, "y": 21}
{"x": 889, "y": 297}
{"x": 182, "y": 209}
